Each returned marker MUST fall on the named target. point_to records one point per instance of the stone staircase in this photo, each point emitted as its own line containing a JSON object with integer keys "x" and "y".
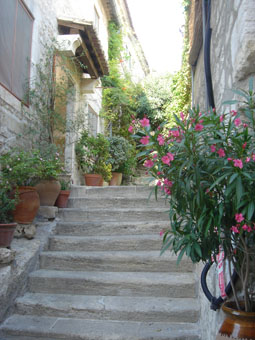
{"x": 102, "y": 277}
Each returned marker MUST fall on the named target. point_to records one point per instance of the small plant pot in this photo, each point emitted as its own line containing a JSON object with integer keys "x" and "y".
{"x": 6, "y": 234}
{"x": 116, "y": 178}
{"x": 62, "y": 199}
{"x": 93, "y": 180}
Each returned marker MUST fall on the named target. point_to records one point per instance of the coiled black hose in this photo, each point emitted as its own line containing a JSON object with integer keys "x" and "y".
{"x": 215, "y": 302}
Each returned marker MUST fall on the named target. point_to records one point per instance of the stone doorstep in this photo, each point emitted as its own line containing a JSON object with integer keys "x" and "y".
{"x": 147, "y": 309}
{"x": 113, "y": 283}
{"x": 69, "y": 328}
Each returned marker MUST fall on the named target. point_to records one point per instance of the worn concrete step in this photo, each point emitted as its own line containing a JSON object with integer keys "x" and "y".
{"x": 112, "y": 214}
{"x": 113, "y": 283}
{"x": 110, "y": 228}
{"x": 140, "y": 261}
{"x": 112, "y": 191}
{"x": 116, "y": 202}
{"x": 101, "y": 243}
{"x": 82, "y": 329}
{"x": 147, "y": 309}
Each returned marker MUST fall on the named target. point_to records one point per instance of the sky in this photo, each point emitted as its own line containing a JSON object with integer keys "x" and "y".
{"x": 159, "y": 25}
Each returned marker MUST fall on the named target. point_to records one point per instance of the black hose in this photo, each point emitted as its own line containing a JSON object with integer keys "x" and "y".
{"x": 215, "y": 302}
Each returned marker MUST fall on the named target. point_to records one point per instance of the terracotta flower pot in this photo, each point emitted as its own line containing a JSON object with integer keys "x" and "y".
{"x": 237, "y": 324}
{"x": 48, "y": 191}
{"x": 93, "y": 180}
{"x": 62, "y": 199}
{"x": 116, "y": 178}
{"x": 28, "y": 205}
{"x": 6, "y": 234}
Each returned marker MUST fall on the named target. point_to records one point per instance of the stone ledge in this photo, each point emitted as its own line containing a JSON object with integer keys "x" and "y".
{"x": 14, "y": 277}
{"x": 47, "y": 213}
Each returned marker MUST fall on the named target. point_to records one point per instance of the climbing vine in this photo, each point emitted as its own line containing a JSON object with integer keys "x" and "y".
{"x": 181, "y": 81}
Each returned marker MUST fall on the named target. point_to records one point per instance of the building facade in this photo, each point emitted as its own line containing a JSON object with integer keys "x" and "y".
{"x": 80, "y": 31}
{"x": 222, "y": 54}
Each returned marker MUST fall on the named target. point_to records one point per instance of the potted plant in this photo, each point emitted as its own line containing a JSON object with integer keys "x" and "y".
{"x": 92, "y": 154}
{"x": 20, "y": 169}
{"x": 7, "y": 205}
{"x": 63, "y": 196}
{"x": 49, "y": 168}
{"x": 121, "y": 158}
{"x": 205, "y": 165}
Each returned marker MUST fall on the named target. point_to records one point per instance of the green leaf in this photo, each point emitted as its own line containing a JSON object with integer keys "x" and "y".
{"x": 251, "y": 84}
{"x": 250, "y": 210}
{"x": 198, "y": 249}
{"x": 239, "y": 189}
{"x": 233, "y": 177}
{"x": 181, "y": 255}
{"x": 230, "y": 102}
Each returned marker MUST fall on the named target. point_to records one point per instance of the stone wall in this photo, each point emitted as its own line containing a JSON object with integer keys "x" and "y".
{"x": 232, "y": 64}
{"x": 232, "y": 50}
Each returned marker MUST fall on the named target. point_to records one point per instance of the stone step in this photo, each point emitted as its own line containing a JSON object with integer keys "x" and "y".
{"x": 110, "y": 228}
{"x": 112, "y": 191}
{"x": 136, "y": 261}
{"x": 82, "y": 329}
{"x": 147, "y": 309}
{"x": 128, "y": 215}
{"x": 113, "y": 283}
{"x": 116, "y": 202}
{"x": 102, "y": 243}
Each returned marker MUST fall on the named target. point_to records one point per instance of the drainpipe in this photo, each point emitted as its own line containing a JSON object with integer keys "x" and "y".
{"x": 207, "y": 32}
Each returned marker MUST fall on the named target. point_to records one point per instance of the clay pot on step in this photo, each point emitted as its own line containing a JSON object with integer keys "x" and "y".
{"x": 48, "y": 191}
{"x": 28, "y": 205}
{"x": 93, "y": 180}
{"x": 116, "y": 178}
{"x": 62, "y": 199}
{"x": 6, "y": 234}
{"x": 237, "y": 324}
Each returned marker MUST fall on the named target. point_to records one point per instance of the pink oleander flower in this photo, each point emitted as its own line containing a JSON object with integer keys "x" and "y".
{"x": 229, "y": 159}
{"x": 182, "y": 116}
{"x": 161, "y": 233}
{"x": 148, "y": 163}
{"x": 168, "y": 182}
{"x": 221, "y": 118}
{"x": 253, "y": 157}
{"x": 238, "y": 163}
{"x": 233, "y": 112}
{"x": 245, "y": 125}
{"x": 239, "y": 217}
{"x": 131, "y": 129}
{"x": 175, "y": 133}
{"x": 155, "y": 156}
{"x": 133, "y": 121}
{"x": 167, "y": 190}
{"x": 161, "y": 140}
{"x": 199, "y": 127}
{"x": 244, "y": 145}
{"x": 221, "y": 153}
{"x": 235, "y": 229}
{"x": 248, "y": 159}
{"x": 159, "y": 173}
{"x": 145, "y": 140}
{"x": 170, "y": 156}
{"x": 159, "y": 183}
{"x": 145, "y": 122}
{"x": 213, "y": 148}
{"x": 237, "y": 121}
{"x": 247, "y": 228}
{"x": 166, "y": 160}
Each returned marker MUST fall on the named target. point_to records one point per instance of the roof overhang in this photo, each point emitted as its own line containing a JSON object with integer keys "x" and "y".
{"x": 195, "y": 30}
{"x": 89, "y": 51}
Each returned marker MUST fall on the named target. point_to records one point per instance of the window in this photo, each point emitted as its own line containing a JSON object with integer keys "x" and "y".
{"x": 16, "y": 25}
{"x": 96, "y": 20}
